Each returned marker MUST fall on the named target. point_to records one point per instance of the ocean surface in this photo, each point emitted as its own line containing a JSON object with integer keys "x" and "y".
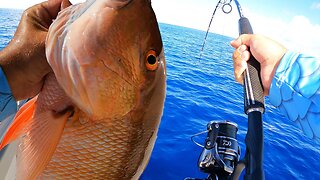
{"x": 199, "y": 91}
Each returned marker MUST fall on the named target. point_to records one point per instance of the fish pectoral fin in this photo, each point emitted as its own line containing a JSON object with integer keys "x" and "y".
{"x": 20, "y": 121}
{"x": 38, "y": 145}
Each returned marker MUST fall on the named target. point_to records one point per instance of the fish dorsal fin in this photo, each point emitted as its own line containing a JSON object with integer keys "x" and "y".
{"x": 37, "y": 146}
{"x": 21, "y": 120}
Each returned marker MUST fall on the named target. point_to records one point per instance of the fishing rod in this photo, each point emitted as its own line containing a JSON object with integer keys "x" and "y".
{"x": 221, "y": 152}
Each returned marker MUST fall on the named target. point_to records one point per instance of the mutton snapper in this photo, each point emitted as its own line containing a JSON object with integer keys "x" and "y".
{"x": 98, "y": 114}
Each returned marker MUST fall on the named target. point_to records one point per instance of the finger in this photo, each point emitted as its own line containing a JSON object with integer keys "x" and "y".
{"x": 45, "y": 12}
{"x": 240, "y": 57}
{"x": 235, "y": 43}
{"x": 241, "y": 53}
{"x": 244, "y": 39}
{"x": 54, "y": 6}
{"x": 65, "y": 4}
{"x": 242, "y": 48}
{"x": 239, "y": 68}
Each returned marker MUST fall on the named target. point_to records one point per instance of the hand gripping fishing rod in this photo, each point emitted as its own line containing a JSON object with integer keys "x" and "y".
{"x": 220, "y": 155}
{"x": 254, "y": 108}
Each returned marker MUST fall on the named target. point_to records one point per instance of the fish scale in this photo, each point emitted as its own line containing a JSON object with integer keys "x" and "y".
{"x": 98, "y": 113}
{"x": 114, "y": 151}
{"x": 90, "y": 148}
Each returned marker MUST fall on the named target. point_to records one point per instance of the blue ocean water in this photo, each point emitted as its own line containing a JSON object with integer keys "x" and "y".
{"x": 199, "y": 91}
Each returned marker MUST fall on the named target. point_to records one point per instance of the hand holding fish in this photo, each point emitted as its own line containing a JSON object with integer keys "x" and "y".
{"x": 98, "y": 112}
{"x": 24, "y": 60}
{"x": 266, "y": 51}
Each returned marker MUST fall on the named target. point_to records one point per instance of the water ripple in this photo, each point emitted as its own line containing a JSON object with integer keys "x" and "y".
{"x": 201, "y": 90}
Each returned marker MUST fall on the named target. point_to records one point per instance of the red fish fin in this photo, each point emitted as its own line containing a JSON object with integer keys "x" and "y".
{"x": 21, "y": 120}
{"x": 36, "y": 148}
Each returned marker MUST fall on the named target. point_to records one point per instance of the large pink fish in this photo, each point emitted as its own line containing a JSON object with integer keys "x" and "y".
{"x": 98, "y": 114}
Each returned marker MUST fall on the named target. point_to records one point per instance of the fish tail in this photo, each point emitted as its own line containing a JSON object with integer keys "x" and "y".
{"x": 21, "y": 120}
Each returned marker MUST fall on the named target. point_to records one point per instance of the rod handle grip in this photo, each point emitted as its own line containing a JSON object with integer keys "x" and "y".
{"x": 253, "y": 88}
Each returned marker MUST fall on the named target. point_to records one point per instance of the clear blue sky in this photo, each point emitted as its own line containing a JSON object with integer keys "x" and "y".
{"x": 286, "y": 9}
{"x": 283, "y": 9}
{"x": 295, "y": 23}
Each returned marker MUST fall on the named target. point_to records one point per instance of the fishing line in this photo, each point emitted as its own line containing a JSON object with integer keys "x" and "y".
{"x": 220, "y": 155}
{"x": 226, "y": 8}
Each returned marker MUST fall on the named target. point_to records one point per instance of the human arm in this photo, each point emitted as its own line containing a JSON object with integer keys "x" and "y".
{"x": 291, "y": 80}
{"x": 23, "y": 61}
{"x": 295, "y": 90}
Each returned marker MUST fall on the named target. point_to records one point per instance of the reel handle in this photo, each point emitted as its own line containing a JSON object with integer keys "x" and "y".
{"x": 253, "y": 89}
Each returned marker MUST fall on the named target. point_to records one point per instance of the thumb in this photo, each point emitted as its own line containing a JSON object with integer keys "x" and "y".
{"x": 244, "y": 39}
{"x": 54, "y": 6}
{"x": 65, "y": 4}
{"x": 48, "y": 11}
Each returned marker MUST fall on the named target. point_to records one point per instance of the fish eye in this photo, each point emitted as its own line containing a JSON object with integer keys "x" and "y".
{"x": 151, "y": 60}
